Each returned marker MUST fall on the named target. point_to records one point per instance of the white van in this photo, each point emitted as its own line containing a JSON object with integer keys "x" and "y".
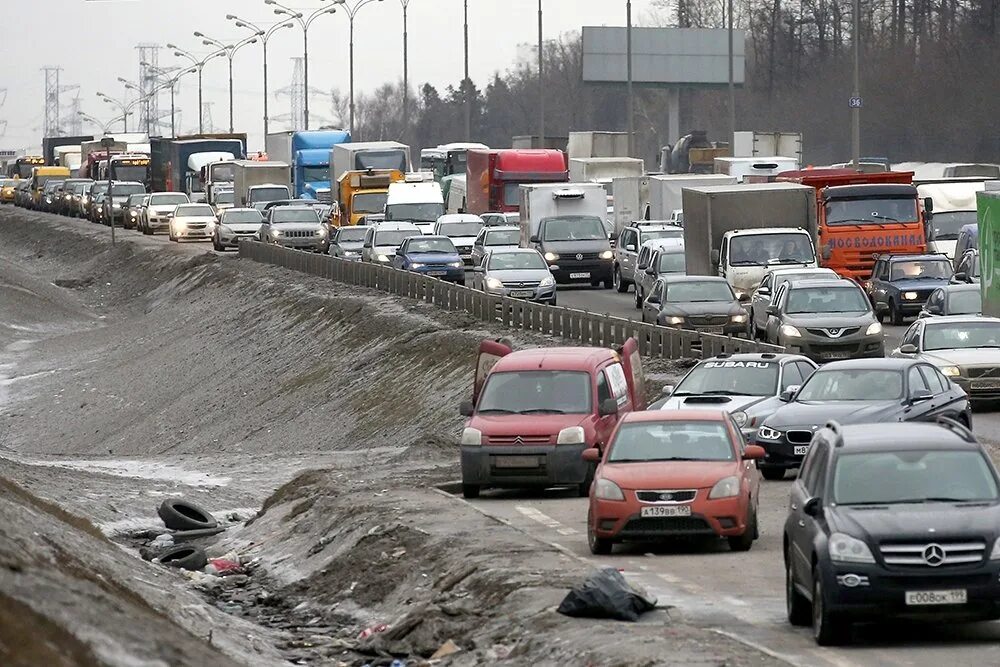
{"x": 419, "y": 203}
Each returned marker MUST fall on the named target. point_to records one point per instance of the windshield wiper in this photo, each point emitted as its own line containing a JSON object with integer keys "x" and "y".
{"x": 932, "y": 499}
{"x": 885, "y": 217}
{"x": 497, "y": 411}
{"x": 541, "y": 411}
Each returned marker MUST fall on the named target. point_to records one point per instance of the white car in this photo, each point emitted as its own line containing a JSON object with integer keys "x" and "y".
{"x": 462, "y": 229}
{"x": 235, "y": 224}
{"x": 159, "y": 210}
{"x": 381, "y": 242}
{"x": 495, "y": 238}
{"x": 192, "y": 221}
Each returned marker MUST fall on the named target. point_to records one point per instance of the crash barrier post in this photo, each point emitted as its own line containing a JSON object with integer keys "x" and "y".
{"x": 558, "y": 321}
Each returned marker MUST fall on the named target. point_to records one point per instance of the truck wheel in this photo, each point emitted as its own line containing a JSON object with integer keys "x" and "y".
{"x": 620, "y": 284}
{"x": 896, "y": 314}
{"x": 470, "y": 491}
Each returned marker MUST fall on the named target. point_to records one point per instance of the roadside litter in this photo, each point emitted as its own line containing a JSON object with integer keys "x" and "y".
{"x": 180, "y": 514}
{"x": 606, "y": 594}
{"x": 375, "y": 629}
{"x": 186, "y": 558}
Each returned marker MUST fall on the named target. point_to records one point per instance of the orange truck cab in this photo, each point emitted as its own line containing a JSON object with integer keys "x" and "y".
{"x": 863, "y": 215}
{"x": 534, "y": 412}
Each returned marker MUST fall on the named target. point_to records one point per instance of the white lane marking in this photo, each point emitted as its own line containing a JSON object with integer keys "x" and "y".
{"x": 544, "y": 519}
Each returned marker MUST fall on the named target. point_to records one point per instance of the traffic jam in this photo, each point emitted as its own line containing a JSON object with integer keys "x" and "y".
{"x": 894, "y": 506}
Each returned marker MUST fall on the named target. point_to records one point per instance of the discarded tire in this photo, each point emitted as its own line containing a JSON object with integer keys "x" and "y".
{"x": 180, "y": 514}
{"x": 186, "y": 558}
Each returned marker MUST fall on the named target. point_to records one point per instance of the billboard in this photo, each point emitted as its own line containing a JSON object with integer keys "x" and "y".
{"x": 988, "y": 207}
{"x": 663, "y": 56}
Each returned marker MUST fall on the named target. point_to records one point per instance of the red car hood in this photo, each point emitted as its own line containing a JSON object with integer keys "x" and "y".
{"x": 668, "y": 474}
{"x": 500, "y": 425}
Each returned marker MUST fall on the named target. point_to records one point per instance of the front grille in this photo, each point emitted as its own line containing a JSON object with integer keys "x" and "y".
{"x": 983, "y": 372}
{"x": 323, "y": 196}
{"x": 834, "y": 332}
{"x": 639, "y": 526}
{"x": 519, "y": 439}
{"x": 708, "y": 320}
{"x": 520, "y": 285}
{"x": 299, "y": 234}
{"x": 933, "y": 554}
{"x": 666, "y": 496}
{"x": 197, "y": 225}
{"x": 799, "y": 437}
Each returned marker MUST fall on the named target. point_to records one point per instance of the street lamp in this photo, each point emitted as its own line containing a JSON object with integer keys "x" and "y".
{"x": 199, "y": 65}
{"x": 352, "y": 11}
{"x": 630, "y": 102}
{"x": 265, "y": 35}
{"x": 171, "y": 81}
{"x": 131, "y": 86}
{"x": 230, "y": 51}
{"x": 305, "y": 22}
{"x": 406, "y": 67}
{"x": 120, "y": 105}
{"x": 105, "y": 127}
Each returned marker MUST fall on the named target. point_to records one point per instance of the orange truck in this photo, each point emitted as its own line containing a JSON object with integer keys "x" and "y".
{"x": 860, "y": 216}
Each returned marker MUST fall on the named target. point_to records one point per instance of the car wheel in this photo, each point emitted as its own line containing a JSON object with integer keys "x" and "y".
{"x": 470, "y": 491}
{"x": 215, "y": 244}
{"x": 896, "y": 314}
{"x": 745, "y": 541}
{"x": 638, "y": 298}
{"x": 772, "y": 473}
{"x": 828, "y": 628}
{"x": 583, "y": 489}
{"x": 796, "y": 604}
{"x": 599, "y": 546}
{"x": 619, "y": 284}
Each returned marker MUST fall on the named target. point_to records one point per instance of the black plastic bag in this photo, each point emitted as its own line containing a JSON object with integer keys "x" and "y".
{"x": 606, "y": 594}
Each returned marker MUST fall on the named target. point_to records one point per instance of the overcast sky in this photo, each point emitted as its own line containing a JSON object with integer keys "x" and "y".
{"x": 94, "y": 43}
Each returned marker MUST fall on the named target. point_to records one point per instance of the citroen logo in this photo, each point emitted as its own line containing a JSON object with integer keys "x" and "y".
{"x": 518, "y": 440}
{"x": 579, "y": 256}
{"x": 934, "y": 554}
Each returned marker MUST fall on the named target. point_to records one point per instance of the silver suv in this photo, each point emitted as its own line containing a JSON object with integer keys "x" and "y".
{"x": 630, "y": 241}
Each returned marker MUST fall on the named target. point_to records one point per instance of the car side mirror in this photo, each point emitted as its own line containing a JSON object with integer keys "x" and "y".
{"x": 961, "y": 276}
{"x": 534, "y": 239}
{"x": 668, "y": 389}
{"x": 653, "y": 298}
{"x": 789, "y": 393}
{"x": 608, "y": 407}
{"x": 743, "y": 297}
{"x": 714, "y": 256}
{"x": 399, "y": 252}
{"x": 928, "y": 204}
{"x": 813, "y": 507}
{"x": 754, "y": 452}
{"x": 466, "y": 408}
{"x": 630, "y": 247}
{"x": 592, "y": 455}
{"x": 650, "y": 271}
{"x": 479, "y": 269}
{"x": 773, "y": 310}
{"x": 763, "y": 291}
{"x": 908, "y": 348}
{"x": 921, "y": 395}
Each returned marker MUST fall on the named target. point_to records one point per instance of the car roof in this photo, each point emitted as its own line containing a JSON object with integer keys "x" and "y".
{"x": 239, "y": 210}
{"x": 296, "y": 208}
{"x": 915, "y": 256}
{"x": 822, "y": 284}
{"x": 882, "y": 363}
{"x": 674, "y": 416}
{"x": 459, "y": 217}
{"x": 435, "y": 237}
{"x": 683, "y": 278}
{"x": 396, "y": 227}
{"x": 555, "y": 359}
{"x": 654, "y": 225}
{"x": 817, "y": 271}
{"x": 960, "y": 319}
{"x": 502, "y": 228}
{"x": 901, "y": 436}
{"x": 656, "y": 244}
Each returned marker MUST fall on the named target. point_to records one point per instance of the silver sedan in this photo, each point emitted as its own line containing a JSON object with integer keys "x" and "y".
{"x": 520, "y": 273}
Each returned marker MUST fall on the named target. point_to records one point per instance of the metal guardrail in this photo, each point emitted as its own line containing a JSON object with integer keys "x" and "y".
{"x": 575, "y": 325}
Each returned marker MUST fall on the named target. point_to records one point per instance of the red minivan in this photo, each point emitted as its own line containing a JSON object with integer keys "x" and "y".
{"x": 534, "y": 412}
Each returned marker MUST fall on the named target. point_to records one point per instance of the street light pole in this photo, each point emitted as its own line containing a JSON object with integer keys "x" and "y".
{"x": 541, "y": 85}
{"x": 265, "y": 37}
{"x": 732, "y": 86}
{"x": 406, "y": 70}
{"x": 230, "y": 51}
{"x": 465, "y": 81}
{"x": 856, "y": 106}
{"x": 200, "y": 64}
{"x": 628, "y": 68}
{"x": 352, "y": 11}
{"x": 120, "y": 105}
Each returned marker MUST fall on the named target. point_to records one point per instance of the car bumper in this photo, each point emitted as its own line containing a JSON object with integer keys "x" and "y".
{"x": 304, "y": 243}
{"x": 731, "y": 329}
{"x": 581, "y": 272}
{"x": 193, "y": 234}
{"x": 781, "y": 453}
{"x": 820, "y": 350}
{"x": 540, "y": 466}
{"x": 979, "y": 389}
{"x": 883, "y": 592}
{"x": 622, "y": 520}
{"x": 538, "y": 294}
{"x": 158, "y": 224}
{"x": 233, "y": 241}
{"x": 450, "y": 274}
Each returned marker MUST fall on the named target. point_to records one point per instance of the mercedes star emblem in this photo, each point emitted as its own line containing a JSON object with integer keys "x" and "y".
{"x": 934, "y": 554}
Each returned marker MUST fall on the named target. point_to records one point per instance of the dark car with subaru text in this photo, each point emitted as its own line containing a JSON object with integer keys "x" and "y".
{"x": 861, "y": 391}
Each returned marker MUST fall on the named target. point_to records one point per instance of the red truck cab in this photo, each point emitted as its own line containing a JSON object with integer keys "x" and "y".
{"x": 535, "y": 411}
{"x": 493, "y": 177}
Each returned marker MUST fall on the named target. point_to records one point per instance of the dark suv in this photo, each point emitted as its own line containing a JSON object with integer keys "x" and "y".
{"x": 900, "y": 284}
{"x": 896, "y": 520}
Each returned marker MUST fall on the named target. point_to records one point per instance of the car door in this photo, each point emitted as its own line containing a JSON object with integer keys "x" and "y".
{"x": 478, "y": 245}
{"x": 490, "y": 352}
{"x": 724, "y": 256}
{"x": 774, "y": 321}
{"x": 920, "y": 399}
{"x": 642, "y": 279}
{"x": 628, "y": 246}
{"x": 948, "y": 400}
{"x": 632, "y": 365}
{"x": 760, "y": 301}
{"x": 651, "y": 304}
{"x": 367, "y": 247}
{"x": 399, "y": 259}
{"x": 610, "y": 383}
{"x": 800, "y": 527}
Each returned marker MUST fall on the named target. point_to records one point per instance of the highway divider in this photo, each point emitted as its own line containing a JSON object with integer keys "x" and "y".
{"x": 568, "y": 323}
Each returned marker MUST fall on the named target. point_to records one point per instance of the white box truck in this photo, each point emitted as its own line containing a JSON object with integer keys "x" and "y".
{"x": 363, "y": 155}
{"x": 597, "y": 144}
{"x": 754, "y": 169}
{"x": 953, "y": 205}
{"x": 665, "y": 202}
{"x": 255, "y": 183}
{"x": 756, "y": 144}
{"x": 631, "y": 201}
{"x": 604, "y": 170}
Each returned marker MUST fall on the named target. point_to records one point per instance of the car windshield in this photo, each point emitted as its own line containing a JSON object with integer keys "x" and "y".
{"x": 127, "y": 189}
{"x": 432, "y": 245}
{"x": 917, "y": 269}
{"x": 316, "y": 174}
{"x": 135, "y": 200}
{"x": 946, "y": 226}
{"x": 961, "y": 335}
{"x": 695, "y": 291}
{"x": 130, "y": 173}
{"x": 826, "y": 300}
{"x": 423, "y": 212}
{"x": 503, "y": 237}
{"x": 917, "y": 476}
{"x": 369, "y": 202}
{"x": 507, "y": 261}
{"x": 805, "y": 275}
{"x": 573, "y": 228}
{"x": 393, "y": 237}
{"x": 736, "y": 378}
{"x": 764, "y": 249}
{"x": 455, "y": 229}
{"x": 242, "y": 217}
{"x": 166, "y": 200}
{"x": 672, "y": 262}
{"x": 352, "y": 234}
{"x": 852, "y": 385}
{"x": 871, "y": 211}
{"x": 639, "y": 442}
{"x": 965, "y": 302}
{"x": 194, "y": 210}
{"x": 536, "y": 392}
{"x": 258, "y": 195}
{"x": 227, "y": 197}
{"x": 647, "y": 234}
{"x": 280, "y": 214}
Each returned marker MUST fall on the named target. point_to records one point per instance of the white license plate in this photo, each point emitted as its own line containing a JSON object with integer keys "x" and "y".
{"x": 516, "y": 462}
{"x": 836, "y": 355}
{"x": 710, "y": 330}
{"x": 575, "y": 276}
{"x": 437, "y": 273}
{"x": 986, "y": 384}
{"x": 667, "y": 510}
{"x": 800, "y": 450}
{"x": 921, "y": 598}
{"x": 522, "y": 292}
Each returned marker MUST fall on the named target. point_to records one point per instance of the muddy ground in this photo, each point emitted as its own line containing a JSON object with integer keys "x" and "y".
{"x": 314, "y": 419}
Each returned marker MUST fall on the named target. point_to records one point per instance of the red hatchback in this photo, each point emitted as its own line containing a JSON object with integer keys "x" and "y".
{"x": 672, "y": 474}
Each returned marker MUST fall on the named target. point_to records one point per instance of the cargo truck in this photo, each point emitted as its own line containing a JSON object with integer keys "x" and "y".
{"x": 603, "y": 170}
{"x": 133, "y": 167}
{"x": 50, "y": 144}
{"x": 362, "y": 193}
{"x": 953, "y": 202}
{"x": 758, "y": 144}
{"x": 665, "y": 198}
{"x": 91, "y": 152}
{"x": 187, "y": 157}
{"x": 862, "y": 215}
{"x": 255, "y": 183}
{"x": 447, "y": 159}
{"x": 754, "y": 169}
{"x": 631, "y": 201}
{"x": 69, "y": 157}
{"x": 741, "y": 231}
{"x": 597, "y": 144}
{"x": 308, "y": 155}
{"x": 166, "y": 175}
{"x": 494, "y": 176}
{"x": 364, "y": 155}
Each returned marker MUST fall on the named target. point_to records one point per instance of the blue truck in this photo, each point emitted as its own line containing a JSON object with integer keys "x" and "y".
{"x": 308, "y": 153}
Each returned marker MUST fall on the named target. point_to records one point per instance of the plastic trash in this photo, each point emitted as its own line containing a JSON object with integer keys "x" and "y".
{"x": 606, "y": 594}
{"x": 373, "y": 630}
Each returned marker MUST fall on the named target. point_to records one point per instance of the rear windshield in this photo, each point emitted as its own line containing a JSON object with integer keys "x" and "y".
{"x": 920, "y": 268}
{"x": 699, "y": 291}
{"x": 124, "y": 189}
{"x": 503, "y": 237}
{"x": 352, "y": 234}
{"x": 827, "y": 300}
{"x": 510, "y": 261}
{"x": 432, "y": 245}
{"x": 459, "y": 228}
{"x": 394, "y": 237}
{"x": 672, "y": 262}
{"x": 166, "y": 200}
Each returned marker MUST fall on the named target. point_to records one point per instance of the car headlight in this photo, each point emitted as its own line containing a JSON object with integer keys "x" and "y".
{"x": 547, "y": 281}
{"x": 321, "y": 232}
{"x": 133, "y": 214}
{"x": 673, "y": 319}
{"x": 383, "y": 258}
{"x": 276, "y": 232}
{"x": 725, "y": 488}
{"x": 572, "y": 435}
{"x": 951, "y": 371}
{"x": 873, "y": 328}
{"x": 416, "y": 265}
{"x": 472, "y": 436}
{"x": 768, "y": 433}
{"x": 738, "y": 319}
{"x": 788, "y": 331}
{"x": 605, "y": 489}
{"x": 494, "y": 283}
{"x": 67, "y": 197}
{"x": 225, "y": 228}
{"x": 995, "y": 554}
{"x": 740, "y": 418}
{"x": 607, "y": 254}
{"x": 456, "y": 265}
{"x": 847, "y": 549}
{"x": 910, "y": 296}
{"x": 551, "y": 257}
